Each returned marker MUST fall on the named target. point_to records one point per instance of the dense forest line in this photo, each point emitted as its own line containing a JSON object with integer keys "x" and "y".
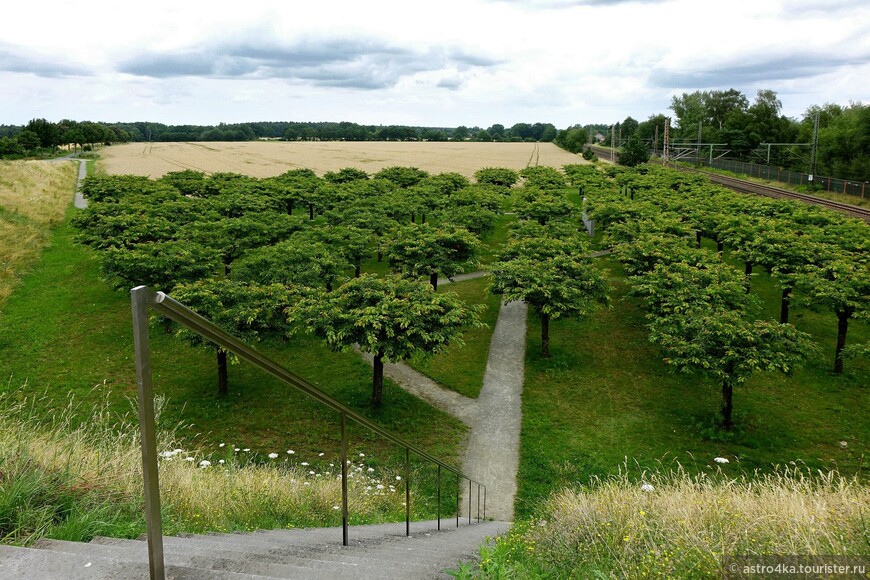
{"x": 725, "y": 121}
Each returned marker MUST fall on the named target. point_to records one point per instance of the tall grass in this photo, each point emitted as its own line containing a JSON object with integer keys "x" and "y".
{"x": 672, "y": 524}
{"x": 34, "y": 197}
{"x": 74, "y": 482}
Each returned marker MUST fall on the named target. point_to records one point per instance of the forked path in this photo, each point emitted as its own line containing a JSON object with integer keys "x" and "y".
{"x": 495, "y": 417}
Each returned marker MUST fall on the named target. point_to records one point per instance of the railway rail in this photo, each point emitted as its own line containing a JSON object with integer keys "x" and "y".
{"x": 743, "y": 186}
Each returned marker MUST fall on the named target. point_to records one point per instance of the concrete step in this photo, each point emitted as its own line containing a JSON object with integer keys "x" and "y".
{"x": 17, "y": 563}
{"x": 376, "y": 551}
{"x": 214, "y": 561}
{"x": 258, "y": 559}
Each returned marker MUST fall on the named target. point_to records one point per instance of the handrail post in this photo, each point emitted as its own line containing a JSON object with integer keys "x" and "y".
{"x": 478, "y": 503}
{"x": 407, "y": 491}
{"x": 469, "y": 502}
{"x": 438, "y": 487}
{"x": 458, "y": 483}
{"x": 344, "y": 538}
{"x": 484, "y": 503}
{"x": 148, "y": 432}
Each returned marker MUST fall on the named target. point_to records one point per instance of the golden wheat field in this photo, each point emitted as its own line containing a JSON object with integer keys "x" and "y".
{"x": 269, "y": 158}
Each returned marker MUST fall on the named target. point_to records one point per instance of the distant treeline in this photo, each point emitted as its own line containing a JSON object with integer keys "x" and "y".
{"x": 42, "y": 136}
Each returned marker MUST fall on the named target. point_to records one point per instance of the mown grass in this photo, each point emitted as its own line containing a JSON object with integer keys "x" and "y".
{"x": 683, "y": 526}
{"x": 605, "y": 395}
{"x": 66, "y": 332}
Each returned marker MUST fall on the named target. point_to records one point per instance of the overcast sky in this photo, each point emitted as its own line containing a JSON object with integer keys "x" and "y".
{"x": 441, "y": 63}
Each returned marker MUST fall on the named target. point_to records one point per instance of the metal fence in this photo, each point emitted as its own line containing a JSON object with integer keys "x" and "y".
{"x": 796, "y": 178}
{"x": 144, "y": 299}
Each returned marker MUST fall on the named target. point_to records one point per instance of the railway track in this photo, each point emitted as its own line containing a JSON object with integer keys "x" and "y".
{"x": 743, "y": 186}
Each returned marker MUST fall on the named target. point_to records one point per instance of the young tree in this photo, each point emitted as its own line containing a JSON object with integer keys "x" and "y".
{"x": 843, "y": 285}
{"x": 425, "y": 250}
{"x": 500, "y": 176}
{"x": 634, "y": 152}
{"x": 250, "y": 312}
{"x": 726, "y": 346}
{"x": 543, "y": 207}
{"x": 555, "y": 281}
{"x": 296, "y": 261}
{"x": 161, "y": 265}
{"x": 233, "y": 236}
{"x": 355, "y": 244}
{"x": 391, "y": 317}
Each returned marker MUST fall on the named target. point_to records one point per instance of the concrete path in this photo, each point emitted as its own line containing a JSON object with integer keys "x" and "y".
{"x": 493, "y": 452}
{"x": 79, "y": 201}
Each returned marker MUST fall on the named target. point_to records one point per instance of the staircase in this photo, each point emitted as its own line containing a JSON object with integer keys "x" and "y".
{"x": 375, "y": 551}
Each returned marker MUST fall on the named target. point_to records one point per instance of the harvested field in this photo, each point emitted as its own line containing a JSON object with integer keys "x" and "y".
{"x": 269, "y": 158}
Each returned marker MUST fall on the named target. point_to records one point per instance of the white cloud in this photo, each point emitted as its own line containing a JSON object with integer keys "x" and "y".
{"x": 470, "y": 62}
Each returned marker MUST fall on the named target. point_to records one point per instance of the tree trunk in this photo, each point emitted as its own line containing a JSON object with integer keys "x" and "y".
{"x": 222, "y": 372}
{"x": 748, "y": 272}
{"x": 727, "y": 405}
{"x": 413, "y": 217}
{"x": 545, "y": 335}
{"x": 290, "y": 207}
{"x": 433, "y": 279}
{"x": 786, "y": 301}
{"x": 329, "y": 284}
{"x": 378, "y": 380}
{"x": 380, "y": 255}
{"x": 311, "y": 212}
{"x": 720, "y": 246}
{"x": 357, "y": 270}
{"x": 698, "y": 238}
{"x": 842, "y": 328}
{"x": 423, "y": 218}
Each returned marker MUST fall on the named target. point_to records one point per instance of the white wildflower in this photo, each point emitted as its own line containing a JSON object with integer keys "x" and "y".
{"x": 647, "y": 487}
{"x": 721, "y": 460}
{"x": 204, "y": 463}
{"x": 273, "y": 456}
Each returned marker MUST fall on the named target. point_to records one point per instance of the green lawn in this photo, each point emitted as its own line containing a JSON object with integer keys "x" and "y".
{"x": 605, "y": 398}
{"x": 65, "y": 332}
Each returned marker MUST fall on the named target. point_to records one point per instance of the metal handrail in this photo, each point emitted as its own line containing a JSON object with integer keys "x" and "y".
{"x": 143, "y": 298}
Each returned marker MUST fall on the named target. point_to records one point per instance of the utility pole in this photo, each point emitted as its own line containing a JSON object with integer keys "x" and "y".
{"x": 813, "y": 152}
{"x": 612, "y": 143}
{"x": 667, "y": 141}
{"x": 656, "y": 142}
